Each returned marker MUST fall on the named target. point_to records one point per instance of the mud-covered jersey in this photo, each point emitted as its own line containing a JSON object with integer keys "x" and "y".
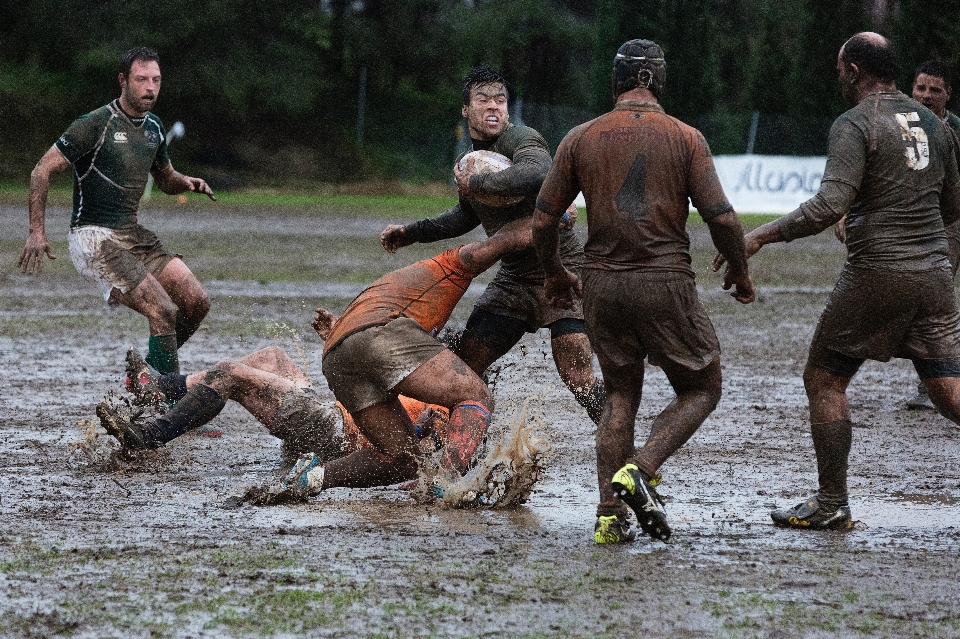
{"x": 111, "y": 158}
{"x": 637, "y": 167}
{"x": 892, "y": 169}
{"x": 426, "y": 292}
{"x": 952, "y": 120}
{"x": 530, "y": 155}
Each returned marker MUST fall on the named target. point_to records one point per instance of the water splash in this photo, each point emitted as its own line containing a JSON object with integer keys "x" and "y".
{"x": 504, "y": 478}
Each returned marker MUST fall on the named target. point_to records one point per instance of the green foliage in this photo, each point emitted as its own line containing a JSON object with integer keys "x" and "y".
{"x": 271, "y": 92}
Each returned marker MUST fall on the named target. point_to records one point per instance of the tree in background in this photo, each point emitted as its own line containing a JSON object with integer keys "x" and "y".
{"x": 341, "y": 90}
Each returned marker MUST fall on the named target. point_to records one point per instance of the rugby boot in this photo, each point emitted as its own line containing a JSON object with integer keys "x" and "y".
{"x": 121, "y": 421}
{"x": 613, "y": 529}
{"x": 812, "y": 516}
{"x": 306, "y": 475}
{"x": 636, "y": 492}
{"x": 142, "y": 382}
{"x": 921, "y": 401}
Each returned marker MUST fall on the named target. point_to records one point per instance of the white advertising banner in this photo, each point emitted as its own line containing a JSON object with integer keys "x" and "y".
{"x": 765, "y": 183}
{"x": 769, "y": 183}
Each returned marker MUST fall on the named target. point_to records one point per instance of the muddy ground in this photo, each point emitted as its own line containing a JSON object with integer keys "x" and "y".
{"x": 154, "y": 551}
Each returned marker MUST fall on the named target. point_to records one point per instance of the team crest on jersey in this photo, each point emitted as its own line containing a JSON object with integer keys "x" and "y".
{"x": 120, "y": 137}
{"x": 153, "y": 138}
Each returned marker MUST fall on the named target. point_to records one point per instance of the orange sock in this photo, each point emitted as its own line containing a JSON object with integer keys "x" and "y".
{"x": 465, "y": 432}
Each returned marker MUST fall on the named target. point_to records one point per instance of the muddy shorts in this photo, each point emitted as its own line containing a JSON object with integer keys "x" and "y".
{"x": 362, "y": 369}
{"x": 117, "y": 258}
{"x": 307, "y": 424}
{"x": 634, "y": 315}
{"x": 523, "y": 300}
{"x": 877, "y": 315}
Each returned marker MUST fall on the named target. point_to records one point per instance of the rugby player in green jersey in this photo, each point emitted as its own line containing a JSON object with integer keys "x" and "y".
{"x": 112, "y": 151}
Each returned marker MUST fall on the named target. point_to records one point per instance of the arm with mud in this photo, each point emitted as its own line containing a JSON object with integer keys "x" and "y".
{"x": 52, "y": 163}
{"x": 453, "y": 222}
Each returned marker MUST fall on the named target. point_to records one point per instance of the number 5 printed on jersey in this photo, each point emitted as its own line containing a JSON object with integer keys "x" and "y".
{"x": 918, "y": 150}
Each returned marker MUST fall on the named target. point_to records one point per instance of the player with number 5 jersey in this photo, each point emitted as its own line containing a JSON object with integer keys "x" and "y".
{"x": 892, "y": 170}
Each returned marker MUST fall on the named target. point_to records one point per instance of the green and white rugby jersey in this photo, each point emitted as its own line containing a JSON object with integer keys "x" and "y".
{"x": 111, "y": 158}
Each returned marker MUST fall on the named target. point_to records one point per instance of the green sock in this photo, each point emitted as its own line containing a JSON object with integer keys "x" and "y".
{"x": 162, "y": 353}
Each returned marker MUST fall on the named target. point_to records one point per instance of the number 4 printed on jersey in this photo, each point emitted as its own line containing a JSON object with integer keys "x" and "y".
{"x": 918, "y": 149}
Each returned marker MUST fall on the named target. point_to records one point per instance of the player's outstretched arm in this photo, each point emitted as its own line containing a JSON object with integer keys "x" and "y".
{"x": 727, "y": 235}
{"x": 512, "y": 237}
{"x": 173, "y": 182}
{"x": 52, "y": 163}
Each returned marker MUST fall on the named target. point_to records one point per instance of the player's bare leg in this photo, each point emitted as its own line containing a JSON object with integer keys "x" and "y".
{"x": 445, "y": 380}
{"x": 274, "y": 359}
{"x": 389, "y": 429}
{"x": 616, "y": 430}
{"x": 188, "y": 294}
{"x": 476, "y": 355}
{"x": 574, "y": 360}
{"x": 151, "y": 300}
{"x": 945, "y": 394}
{"x": 832, "y": 434}
{"x": 698, "y": 392}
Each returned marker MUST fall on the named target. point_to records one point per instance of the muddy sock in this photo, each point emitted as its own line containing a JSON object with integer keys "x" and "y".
{"x": 173, "y": 386}
{"x": 465, "y": 432}
{"x": 593, "y": 400}
{"x": 162, "y": 353}
{"x": 200, "y": 405}
{"x": 184, "y": 328}
{"x": 831, "y": 442}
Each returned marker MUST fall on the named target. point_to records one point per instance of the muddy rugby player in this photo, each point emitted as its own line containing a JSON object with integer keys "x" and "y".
{"x": 637, "y": 167}
{"x": 382, "y": 347}
{"x": 513, "y": 302}
{"x": 112, "y": 150}
{"x": 269, "y": 385}
{"x": 892, "y": 170}
{"x": 932, "y": 89}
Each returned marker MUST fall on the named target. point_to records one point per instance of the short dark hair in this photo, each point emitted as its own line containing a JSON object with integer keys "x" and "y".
{"x": 874, "y": 58}
{"x": 143, "y": 54}
{"x": 481, "y": 76}
{"x": 936, "y": 69}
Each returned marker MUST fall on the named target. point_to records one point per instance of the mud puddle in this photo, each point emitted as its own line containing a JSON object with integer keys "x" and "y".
{"x": 150, "y": 550}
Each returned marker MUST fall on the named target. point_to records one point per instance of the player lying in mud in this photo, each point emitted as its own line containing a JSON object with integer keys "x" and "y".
{"x": 382, "y": 347}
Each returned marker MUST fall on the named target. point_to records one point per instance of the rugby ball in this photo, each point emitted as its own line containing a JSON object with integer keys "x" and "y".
{"x": 490, "y": 162}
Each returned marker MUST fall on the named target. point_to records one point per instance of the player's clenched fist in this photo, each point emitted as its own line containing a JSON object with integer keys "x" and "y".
{"x": 394, "y": 237}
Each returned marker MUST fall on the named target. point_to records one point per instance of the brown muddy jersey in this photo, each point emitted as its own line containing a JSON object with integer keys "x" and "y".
{"x": 892, "y": 169}
{"x": 426, "y": 292}
{"x": 637, "y": 167}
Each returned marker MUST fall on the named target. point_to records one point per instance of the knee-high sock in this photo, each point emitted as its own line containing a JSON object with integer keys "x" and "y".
{"x": 465, "y": 432}
{"x": 173, "y": 386}
{"x": 198, "y": 406}
{"x": 162, "y": 353}
{"x": 831, "y": 442}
